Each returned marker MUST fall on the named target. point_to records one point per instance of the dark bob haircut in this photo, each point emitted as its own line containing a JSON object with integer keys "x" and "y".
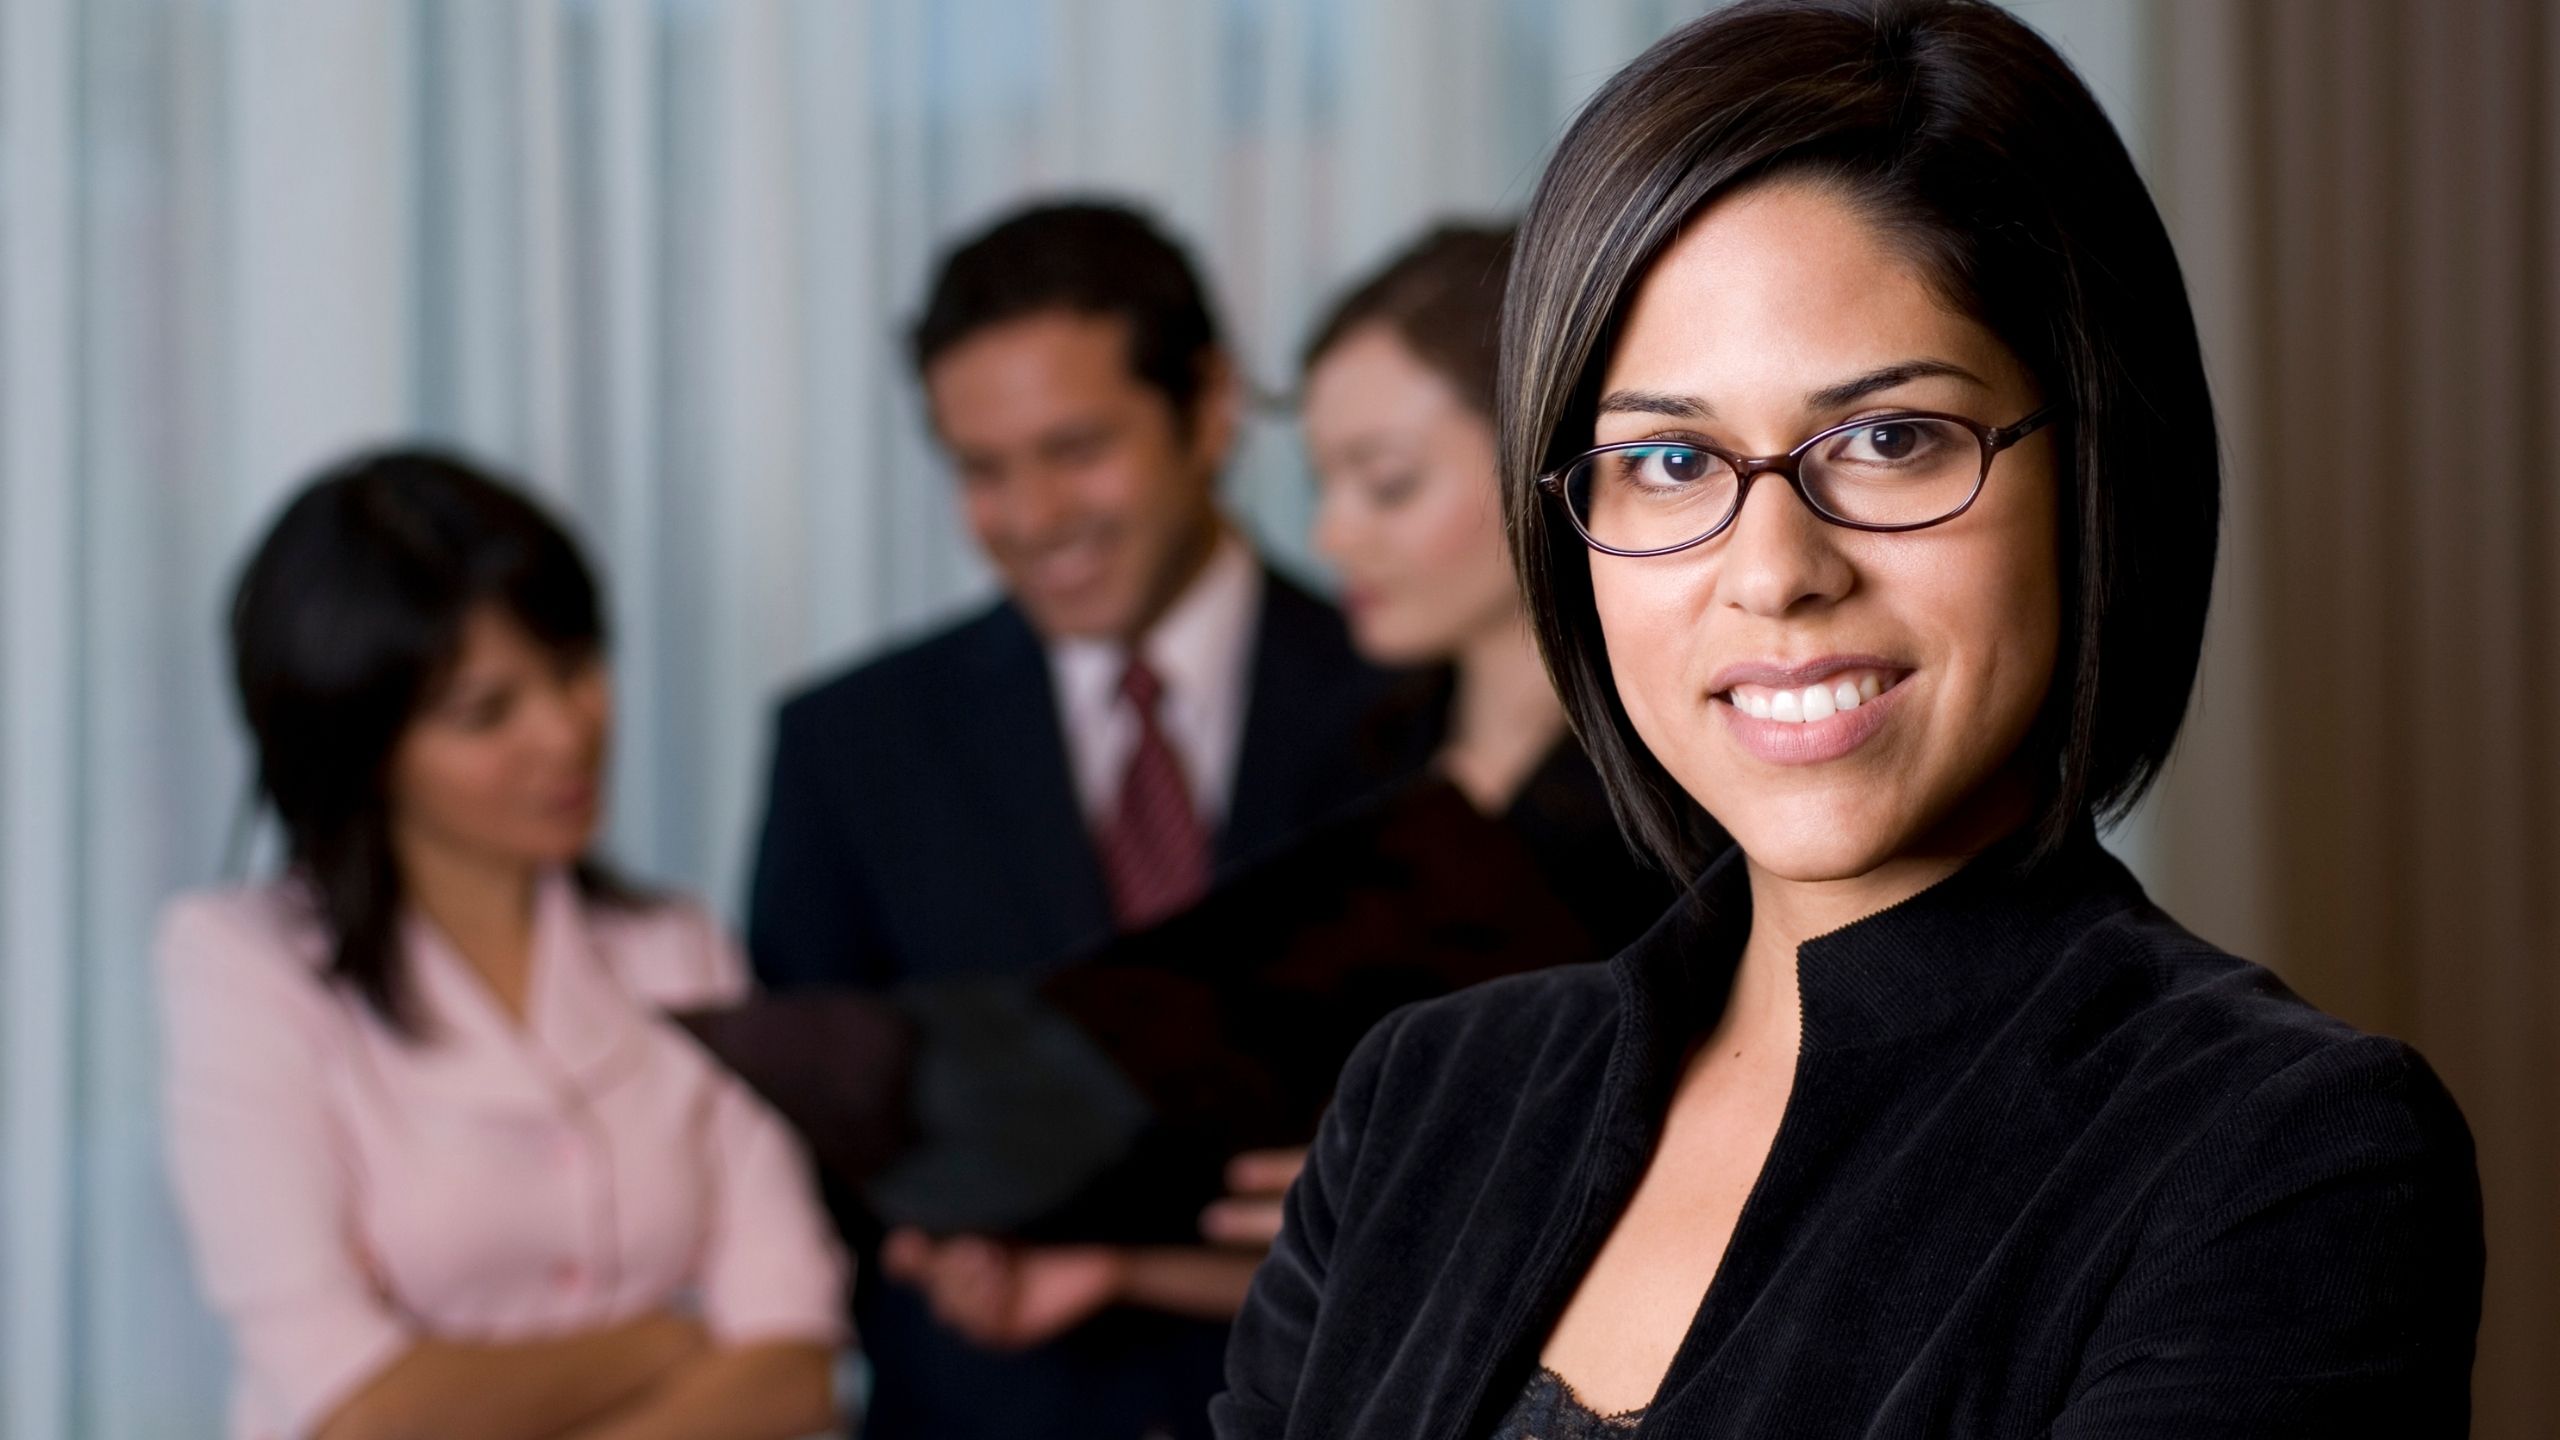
{"x": 1441, "y": 297}
{"x": 346, "y": 620}
{"x": 1085, "y": 258}
{"x": 1973, "y": 147}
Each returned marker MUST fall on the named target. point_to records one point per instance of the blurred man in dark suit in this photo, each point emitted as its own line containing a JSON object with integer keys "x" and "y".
{"x": 1147, "y": 705}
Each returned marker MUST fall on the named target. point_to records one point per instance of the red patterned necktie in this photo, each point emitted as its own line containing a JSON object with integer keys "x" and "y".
{"x": 1155, "y": 851}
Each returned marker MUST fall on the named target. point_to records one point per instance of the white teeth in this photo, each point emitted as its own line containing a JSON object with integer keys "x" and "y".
{"x": 1811, "y": 703}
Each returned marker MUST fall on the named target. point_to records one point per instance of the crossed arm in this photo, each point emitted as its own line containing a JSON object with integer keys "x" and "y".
{"x": 657, "y": 1377}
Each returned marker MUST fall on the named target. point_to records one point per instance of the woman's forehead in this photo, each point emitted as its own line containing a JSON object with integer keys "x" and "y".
{"x": 1783, "y": 292}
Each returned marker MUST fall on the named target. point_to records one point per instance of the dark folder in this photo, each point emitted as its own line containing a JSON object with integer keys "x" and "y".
{"x": 1101, "y": 1101}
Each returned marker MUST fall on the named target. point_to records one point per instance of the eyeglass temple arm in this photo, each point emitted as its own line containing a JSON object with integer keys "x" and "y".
{"x": 2003, "y": 439}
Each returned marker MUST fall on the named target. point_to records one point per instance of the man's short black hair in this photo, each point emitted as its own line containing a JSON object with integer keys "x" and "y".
{"x": 1087, "y": 258}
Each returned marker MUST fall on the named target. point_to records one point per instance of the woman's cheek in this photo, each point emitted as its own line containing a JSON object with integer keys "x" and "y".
{"x": 2024, "y": 614}
{"x": 1650, "y": 628}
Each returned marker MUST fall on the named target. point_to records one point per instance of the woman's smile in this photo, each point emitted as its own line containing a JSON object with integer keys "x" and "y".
{"x": 1808, "y": 714}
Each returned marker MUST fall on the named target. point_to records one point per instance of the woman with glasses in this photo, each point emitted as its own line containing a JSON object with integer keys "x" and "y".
{"x": 1864, "y": 489}
{"x": 445, "y": 1168}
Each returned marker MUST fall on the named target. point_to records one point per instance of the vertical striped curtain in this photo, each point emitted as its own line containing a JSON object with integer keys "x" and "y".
{"x": 654, "y": 256}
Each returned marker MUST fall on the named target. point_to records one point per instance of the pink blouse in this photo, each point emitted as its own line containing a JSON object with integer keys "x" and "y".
{"x": 349, "y": 1192}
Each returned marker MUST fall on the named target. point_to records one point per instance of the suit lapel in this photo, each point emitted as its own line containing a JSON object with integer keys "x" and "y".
{"x": 1033, "y": 824}
{"x": 1295, "y": 660}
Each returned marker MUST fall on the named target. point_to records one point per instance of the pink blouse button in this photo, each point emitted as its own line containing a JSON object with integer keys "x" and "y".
{"x": 566, "y": 1275}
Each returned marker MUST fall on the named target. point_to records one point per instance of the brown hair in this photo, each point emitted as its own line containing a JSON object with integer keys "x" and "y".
{"x": 1969, "y": 142}
{"x": 1442, "y": 297}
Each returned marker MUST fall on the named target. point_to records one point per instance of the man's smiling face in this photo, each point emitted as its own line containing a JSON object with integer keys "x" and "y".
{"x": 1094, "y": 500}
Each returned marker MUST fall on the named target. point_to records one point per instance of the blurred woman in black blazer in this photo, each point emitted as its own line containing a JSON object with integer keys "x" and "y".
{"x": 1864, "y": 486}
{"x": 1398, "y": 413}
{"x": 1398, "y": 410}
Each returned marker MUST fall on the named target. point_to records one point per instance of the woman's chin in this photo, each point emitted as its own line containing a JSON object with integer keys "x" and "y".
{"x": 1809, "y": 848}
{"x": 1833, "y": 841}
{"x": 558, "y": 847}
{"x": 1391, "y": 645}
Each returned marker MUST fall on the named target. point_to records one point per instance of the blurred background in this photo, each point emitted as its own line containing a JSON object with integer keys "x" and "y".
{"x": 655, "y": 256}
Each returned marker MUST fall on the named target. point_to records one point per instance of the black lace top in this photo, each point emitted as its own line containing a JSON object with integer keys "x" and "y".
{"x": 1549, "y": 1410}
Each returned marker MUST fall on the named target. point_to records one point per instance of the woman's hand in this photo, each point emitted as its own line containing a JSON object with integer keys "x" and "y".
{"x": 1012, "y": 1297}
{"x": 1257, "y": 1181}
{"x": 1007, "y": 1297}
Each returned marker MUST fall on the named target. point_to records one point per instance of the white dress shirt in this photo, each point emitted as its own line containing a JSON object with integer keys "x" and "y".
{"x": 1202, "y": 649}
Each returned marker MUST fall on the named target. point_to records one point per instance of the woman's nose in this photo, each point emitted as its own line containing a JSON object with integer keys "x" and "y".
{"x": 1778, "y": 556}
{"x": 1331, "y": 538}
{"x": 566, "y": 718}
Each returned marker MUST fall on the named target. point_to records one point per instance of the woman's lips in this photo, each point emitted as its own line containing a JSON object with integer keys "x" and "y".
{"x": 1777, "y": 674}
{"x": 1829, "y": 714}
{"x": 573, "y": 801}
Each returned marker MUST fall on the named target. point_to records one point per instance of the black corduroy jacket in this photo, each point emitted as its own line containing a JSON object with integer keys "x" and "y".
{"x": 2051, "y": 1166}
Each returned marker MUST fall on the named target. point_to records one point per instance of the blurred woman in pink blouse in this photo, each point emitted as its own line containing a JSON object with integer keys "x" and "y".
{"x": 446, "y": 1170}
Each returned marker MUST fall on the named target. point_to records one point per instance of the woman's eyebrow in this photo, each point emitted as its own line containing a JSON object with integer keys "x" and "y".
{"x": 1655, "y": 402}
{"x": 1830, "y": 397}
{"x": 1850, "y": 392}
{"x": 1366, "y": 452}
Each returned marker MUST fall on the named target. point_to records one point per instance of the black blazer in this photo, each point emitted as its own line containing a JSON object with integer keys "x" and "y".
{"x": 2051, "y": 1167}
{"x": 923, "y": 824}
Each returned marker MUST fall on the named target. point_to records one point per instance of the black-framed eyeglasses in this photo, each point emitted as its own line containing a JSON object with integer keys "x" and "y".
{"x": 1904, "y": 471}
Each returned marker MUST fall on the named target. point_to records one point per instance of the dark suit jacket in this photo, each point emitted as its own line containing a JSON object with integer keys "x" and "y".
{"x": 923, "y": 824}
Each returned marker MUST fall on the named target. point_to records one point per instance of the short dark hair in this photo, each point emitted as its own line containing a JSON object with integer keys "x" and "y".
{"x": 345, "y": 619}
{"x": 1442, "y": 297}
{"x": 1089, "y": 258}
{"x": 1973, "y": 146}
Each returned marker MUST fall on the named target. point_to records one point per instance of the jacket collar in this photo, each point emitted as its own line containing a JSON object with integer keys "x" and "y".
{"x": 1970, "y": 944}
